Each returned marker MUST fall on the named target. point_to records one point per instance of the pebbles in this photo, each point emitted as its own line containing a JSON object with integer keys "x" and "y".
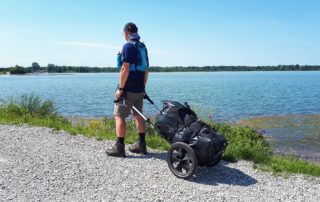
{"x": 40, "y": 164}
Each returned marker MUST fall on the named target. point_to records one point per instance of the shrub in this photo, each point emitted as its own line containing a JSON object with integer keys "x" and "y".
{"x": 30, "y": 105}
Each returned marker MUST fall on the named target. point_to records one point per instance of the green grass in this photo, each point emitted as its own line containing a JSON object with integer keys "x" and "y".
{"x": 245, "y": 143}
{"x": 291, "y": 164}
{"x": 30, "y": 109}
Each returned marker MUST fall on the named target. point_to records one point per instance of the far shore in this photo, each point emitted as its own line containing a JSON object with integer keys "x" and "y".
{"x": 51, "y": 68}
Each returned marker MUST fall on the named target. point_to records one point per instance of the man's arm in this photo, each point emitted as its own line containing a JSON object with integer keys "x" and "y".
{"x": 145, "y": 77}
{"x": 124, "y": 73}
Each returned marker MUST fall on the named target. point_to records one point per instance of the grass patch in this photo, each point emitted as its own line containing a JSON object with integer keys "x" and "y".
{"x": 245, "y": 143}
{"x": 248, "y": 144}
{"x": 291, "y": 164}
{"x": 30, "y": 109}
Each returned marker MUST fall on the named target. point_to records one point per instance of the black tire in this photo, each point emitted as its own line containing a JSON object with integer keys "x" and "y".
{"x": 182, "y": 160}
{"x": 216, "y": 161}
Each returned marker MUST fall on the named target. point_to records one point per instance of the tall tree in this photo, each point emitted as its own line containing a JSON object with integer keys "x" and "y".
{"x": 35, "y": 66}
{"x": 51, "y": 68}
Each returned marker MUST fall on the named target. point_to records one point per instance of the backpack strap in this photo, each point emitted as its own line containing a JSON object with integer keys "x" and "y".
{"x": 136, "y": 45}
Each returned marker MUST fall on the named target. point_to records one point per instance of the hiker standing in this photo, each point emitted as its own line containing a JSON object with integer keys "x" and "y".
{"x": 133, "y": 63}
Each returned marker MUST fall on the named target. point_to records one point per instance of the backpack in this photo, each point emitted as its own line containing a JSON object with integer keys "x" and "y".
{"x": 143, "y": 60}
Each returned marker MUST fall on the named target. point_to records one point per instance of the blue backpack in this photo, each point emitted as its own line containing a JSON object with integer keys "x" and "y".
{"x": 143, "y": 63}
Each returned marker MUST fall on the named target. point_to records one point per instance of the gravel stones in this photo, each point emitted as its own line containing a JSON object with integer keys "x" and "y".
{"x": 40, "y": 164}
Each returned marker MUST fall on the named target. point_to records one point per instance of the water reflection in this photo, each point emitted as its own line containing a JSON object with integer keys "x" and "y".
{"x": 294, "y": 134}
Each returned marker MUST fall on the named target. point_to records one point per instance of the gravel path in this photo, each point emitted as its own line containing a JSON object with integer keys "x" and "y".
{"x": 40, "y": 164}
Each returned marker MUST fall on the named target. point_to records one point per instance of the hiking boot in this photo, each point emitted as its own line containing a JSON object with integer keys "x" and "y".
{"x": 138, "y": 147}
{"x": 117, "y": 150}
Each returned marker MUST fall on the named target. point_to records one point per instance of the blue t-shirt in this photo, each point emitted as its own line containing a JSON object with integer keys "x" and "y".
{"x": 135, "y": 81}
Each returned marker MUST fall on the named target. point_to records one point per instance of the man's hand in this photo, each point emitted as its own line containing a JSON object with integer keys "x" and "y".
{"x": 118, "y": 93}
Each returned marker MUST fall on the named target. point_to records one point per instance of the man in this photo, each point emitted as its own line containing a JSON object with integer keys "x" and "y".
{"x": 131, "y": 88}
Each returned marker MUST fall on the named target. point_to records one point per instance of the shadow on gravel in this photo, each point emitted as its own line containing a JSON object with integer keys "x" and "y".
{"x": 160, "y": 156}
{"x": 220, "y": 174}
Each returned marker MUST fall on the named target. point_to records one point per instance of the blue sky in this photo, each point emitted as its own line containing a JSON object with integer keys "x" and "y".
{"x": 176, "y": 32}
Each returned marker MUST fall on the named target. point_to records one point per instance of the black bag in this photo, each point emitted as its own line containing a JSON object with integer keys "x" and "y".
{"x": 178, "y": 123}
{"x": 208, "y": 145}
{"x": 173, "y": 118}
{"x": 188, "y": 132}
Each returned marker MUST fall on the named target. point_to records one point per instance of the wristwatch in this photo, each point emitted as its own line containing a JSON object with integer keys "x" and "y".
{"x": 121, "y": 89}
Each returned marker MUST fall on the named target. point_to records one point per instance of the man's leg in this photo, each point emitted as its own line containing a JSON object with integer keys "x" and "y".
{"x": 118, "y": 149}
{"x": 140, "y": 124}
{"x": 140, "y": 146}
{"x": 120, "y": 127}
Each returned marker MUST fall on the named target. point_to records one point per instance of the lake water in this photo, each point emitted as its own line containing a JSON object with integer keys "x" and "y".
{"x": 227, "y": 96}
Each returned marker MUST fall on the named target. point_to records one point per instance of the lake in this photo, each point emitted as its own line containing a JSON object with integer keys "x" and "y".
{"x": 224, "y": 96}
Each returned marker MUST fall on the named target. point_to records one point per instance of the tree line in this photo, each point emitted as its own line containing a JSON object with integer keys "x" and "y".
{"x": 51, "y": 68}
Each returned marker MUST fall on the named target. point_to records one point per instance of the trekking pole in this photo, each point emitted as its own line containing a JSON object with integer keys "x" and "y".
{"x": 145, "y": 118}
{"x": 151, "y": 102}
{"x": 136, "y": 110}
{"x": 146, "y": 96}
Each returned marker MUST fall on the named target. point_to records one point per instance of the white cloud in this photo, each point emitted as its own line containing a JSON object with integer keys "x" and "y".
{"x": 87, "y": 44}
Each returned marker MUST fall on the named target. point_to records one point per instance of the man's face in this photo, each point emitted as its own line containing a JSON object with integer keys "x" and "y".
{"x": 126, "y": 35}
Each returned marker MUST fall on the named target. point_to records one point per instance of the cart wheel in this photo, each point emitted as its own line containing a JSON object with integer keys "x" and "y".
{"x": 182, "y": 160}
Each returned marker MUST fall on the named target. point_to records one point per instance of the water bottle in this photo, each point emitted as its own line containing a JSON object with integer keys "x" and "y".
{"x": 119, "y": 60}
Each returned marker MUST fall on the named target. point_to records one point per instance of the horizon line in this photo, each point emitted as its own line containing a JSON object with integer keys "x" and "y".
{"x": 170, "y": 66}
